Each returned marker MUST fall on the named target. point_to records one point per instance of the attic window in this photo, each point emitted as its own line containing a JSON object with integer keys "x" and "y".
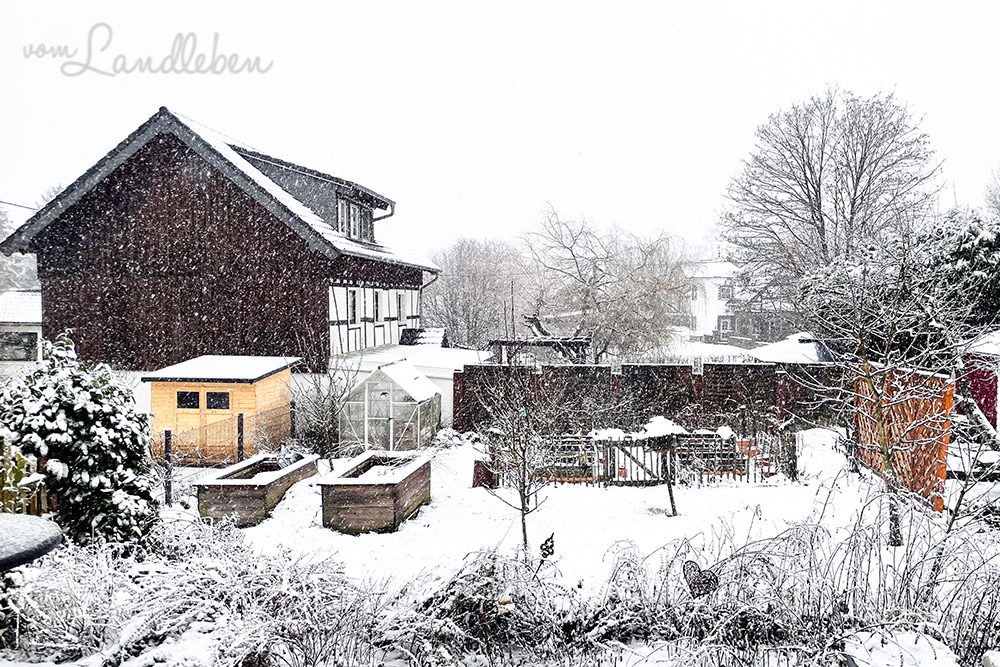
{"x": 342, "y": 205}
{"x": 355, "y": 229}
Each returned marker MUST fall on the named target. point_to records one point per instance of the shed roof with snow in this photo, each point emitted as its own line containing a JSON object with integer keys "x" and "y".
{"x": 231, "y": 369}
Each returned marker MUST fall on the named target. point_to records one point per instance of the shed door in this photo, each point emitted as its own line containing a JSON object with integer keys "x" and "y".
{"x": 379, "y": 413}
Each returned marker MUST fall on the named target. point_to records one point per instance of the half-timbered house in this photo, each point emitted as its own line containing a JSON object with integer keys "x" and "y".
{"x": 180, "y": 243}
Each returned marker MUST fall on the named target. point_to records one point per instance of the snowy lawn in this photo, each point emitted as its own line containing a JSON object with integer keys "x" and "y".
{"x": 588, "y": 521}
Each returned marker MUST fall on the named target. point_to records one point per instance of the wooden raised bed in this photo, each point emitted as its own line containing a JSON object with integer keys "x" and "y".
{"x": 250, "y": 489}
{"x": 378, "y": 491}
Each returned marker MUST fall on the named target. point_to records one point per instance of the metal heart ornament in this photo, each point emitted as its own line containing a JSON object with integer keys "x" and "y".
{"x": 700, "y": 582}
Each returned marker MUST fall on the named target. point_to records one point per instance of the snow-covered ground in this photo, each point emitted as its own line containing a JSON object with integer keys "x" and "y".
{"x": 588, "y": 521}
{"x": 590, "y": 525}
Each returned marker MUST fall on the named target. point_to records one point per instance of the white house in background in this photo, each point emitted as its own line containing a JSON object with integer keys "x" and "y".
{"x": 20, "y": 325}
{"x": 711, "y": 289}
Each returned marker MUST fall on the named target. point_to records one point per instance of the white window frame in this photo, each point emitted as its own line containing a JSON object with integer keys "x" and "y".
{"x": 342, "y": 213}
{"x": 355, "y": 229}
{"x": 352, "y": 306}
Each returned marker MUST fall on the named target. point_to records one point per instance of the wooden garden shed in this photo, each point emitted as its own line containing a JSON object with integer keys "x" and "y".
{"x": 395, "y": 408}
{"x": 221, "y": 408}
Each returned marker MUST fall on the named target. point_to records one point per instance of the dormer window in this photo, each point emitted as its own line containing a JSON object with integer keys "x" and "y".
{"x": 355, "y": 229}
{"x": 342, "y": 216}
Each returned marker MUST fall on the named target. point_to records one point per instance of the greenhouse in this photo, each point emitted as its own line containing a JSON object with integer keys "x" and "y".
{"x": 395, "y": 408}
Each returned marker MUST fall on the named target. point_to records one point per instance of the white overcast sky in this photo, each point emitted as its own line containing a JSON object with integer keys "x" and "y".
{"x": 474, "y": 117}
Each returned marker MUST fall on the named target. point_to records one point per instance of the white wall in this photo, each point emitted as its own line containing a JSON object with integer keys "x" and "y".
{"x": 707, "y": 306}
{"x": 360, "y": 335}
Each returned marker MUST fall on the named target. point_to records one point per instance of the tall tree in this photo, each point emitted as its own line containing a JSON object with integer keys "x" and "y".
{"x": 472, "y": 296}
{"x": 624, "y": 291}
{"x": 827, "y": 176}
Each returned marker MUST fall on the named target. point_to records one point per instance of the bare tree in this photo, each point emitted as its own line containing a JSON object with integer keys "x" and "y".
{"x": 320, "y": 398}
{"x": 624, "y": 291}
{"x": 471, "y": 298}
{"x": 523, "y": 413}
{"x": 993, "y": 195}
{"x": 827, "y": 176}
{"x": 17, "y": 271}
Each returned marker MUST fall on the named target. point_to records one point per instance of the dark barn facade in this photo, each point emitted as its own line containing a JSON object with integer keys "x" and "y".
{"x": 179, "y": 244}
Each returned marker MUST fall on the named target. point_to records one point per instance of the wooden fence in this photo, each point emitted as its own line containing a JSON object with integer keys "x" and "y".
{"x": 22, "y": 487}
{"x": 686, "y": 459}
{"x": 227, "y": 440}
{"x": 903, "y": 429}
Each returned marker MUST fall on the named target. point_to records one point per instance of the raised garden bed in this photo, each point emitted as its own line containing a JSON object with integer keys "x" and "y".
{"x": 378, "y": 491}
{"x": 250, "y": 489}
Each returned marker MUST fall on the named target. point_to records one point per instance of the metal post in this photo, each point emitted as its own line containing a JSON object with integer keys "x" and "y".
{"x": 239, "y": 437}
{"x": 167, "y": 479}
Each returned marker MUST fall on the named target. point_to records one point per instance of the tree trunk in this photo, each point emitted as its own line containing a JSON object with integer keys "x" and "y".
{"x": 670, "y": 483}
{"x": 524, "y": 526}
{"x": 895, "y": 530}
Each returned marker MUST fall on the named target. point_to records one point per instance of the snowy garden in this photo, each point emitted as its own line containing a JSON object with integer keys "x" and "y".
{"x": 779, "y": 572}
{"x": 663, "y": 361}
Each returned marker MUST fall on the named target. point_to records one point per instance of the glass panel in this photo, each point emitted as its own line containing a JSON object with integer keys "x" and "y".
{"x": 217, "y": 400}
{"x": 17, "y": 346}
{"x": 188, "y": 400}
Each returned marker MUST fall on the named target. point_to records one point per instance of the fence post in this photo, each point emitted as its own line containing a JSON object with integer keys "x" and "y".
{"x": 291, "y": 418}
{"x": 239, "y": 437}
{"x": 168, "y": 478}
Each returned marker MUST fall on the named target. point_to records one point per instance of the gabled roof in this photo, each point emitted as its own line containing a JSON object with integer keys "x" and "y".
{"x": 21, "y": 307}
{"x": 228, "y": 369}
{"x": 236, "y": 163}
{"x": 409, "y": 379}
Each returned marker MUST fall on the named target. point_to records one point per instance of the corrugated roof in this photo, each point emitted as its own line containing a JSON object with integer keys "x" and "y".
{"x": 222, "y": 368}
{"x": 21, "y": 307}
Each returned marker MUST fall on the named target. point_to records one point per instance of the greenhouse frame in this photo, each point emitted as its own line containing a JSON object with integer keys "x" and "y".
{"x": 395, "y": 408}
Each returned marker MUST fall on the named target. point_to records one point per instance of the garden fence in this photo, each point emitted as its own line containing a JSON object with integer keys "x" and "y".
{"x": 22, "y": 487}
{"x": 686, "y": 459}
{"x": 227, "y": 440}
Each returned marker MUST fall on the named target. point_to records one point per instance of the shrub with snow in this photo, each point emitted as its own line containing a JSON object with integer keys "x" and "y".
{"x": 94, "y": 444}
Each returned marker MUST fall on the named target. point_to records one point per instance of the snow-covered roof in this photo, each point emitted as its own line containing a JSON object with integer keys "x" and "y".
{"x": 427, "y": 336}
{"x": 988, "y": 343}
{"x": 410, "y": 380}
{"x": 222, "y": 368}
{"x": 431, "y": 360}
{"x": 798, "y": 348}
{"x": 21, "y": 307}
{"x": 234, "y": 161}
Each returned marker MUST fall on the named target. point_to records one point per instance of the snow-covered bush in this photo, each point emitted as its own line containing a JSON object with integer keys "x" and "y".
{"x": 94, "y": 444}
{"x": 493, "y": 606}
{"x": 186, "y": 579}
